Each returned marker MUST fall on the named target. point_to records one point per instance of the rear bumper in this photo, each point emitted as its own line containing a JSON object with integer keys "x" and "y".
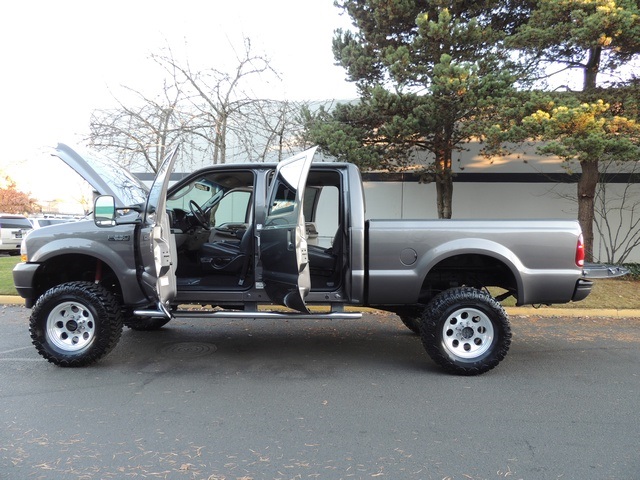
{"x": 593, "y": 271}
{"x": 582, "y": 290}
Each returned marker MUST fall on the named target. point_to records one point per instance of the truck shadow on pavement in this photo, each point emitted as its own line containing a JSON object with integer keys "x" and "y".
{"x": 294, "y": 348}
{"x": 299, "y": 349}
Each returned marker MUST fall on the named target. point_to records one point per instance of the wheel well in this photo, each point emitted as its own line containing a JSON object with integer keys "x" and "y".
{"x": 473, "y": 270}
{"x": 75, "y": 267}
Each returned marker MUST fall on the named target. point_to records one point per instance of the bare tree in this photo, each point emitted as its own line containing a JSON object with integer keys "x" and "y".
{"x": 213, "y": 113}
{"x": 140, "y": 132}
{"x": 617, "y": 218}
{"x": 219, "y": 99}
{"x": 270, "y": 129}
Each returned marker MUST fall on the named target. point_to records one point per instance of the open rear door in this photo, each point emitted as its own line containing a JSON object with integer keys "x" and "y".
{"x": 157, "y": 244}
{"x": 283, "y": 242}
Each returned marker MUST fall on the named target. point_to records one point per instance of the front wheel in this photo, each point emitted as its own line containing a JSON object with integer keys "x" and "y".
{"x": 144, "y": 324}
{"x": 75, "y": 324}
{"x": 412, "y": 323}
{"x": 465, "y": 331}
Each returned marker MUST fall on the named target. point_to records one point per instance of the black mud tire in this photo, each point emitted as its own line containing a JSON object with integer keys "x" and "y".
{"x": 465, "y": 331}
{"x": 144, "y": 324}
{"x": 75, "y": 324}
{"x": 412, "y": 323}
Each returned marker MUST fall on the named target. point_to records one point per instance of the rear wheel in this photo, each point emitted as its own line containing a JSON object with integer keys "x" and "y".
{"x": 465, "y": 331}
{"x": 75, "y": 324}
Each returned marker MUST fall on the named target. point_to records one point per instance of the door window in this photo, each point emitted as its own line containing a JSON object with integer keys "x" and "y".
{"x": 282, "y": 209}
{"x": 233, "y": 208}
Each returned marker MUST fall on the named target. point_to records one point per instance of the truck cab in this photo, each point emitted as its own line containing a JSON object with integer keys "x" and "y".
{"x": 233, "y": 234}
{"x": 230, "y": 236}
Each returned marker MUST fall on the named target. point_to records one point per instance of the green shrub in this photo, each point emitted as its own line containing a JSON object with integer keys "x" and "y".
{"x": 634, "y": 270}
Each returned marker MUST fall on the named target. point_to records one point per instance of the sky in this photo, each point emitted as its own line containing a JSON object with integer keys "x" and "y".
{"x": 63, "y": 59}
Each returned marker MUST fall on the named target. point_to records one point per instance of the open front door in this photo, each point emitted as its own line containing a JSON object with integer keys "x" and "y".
{"x": 157, "y": 244}
{"x": 283, "y": 242}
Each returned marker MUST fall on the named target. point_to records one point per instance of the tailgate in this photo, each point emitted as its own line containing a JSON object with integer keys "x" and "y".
{"x": 598, "y": 270}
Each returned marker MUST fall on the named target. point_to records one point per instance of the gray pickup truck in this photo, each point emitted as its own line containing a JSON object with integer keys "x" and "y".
{"x": 240, "y": 237}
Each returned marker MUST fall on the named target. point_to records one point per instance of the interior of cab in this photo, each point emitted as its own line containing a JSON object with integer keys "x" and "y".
{"x": 212, "y": 220}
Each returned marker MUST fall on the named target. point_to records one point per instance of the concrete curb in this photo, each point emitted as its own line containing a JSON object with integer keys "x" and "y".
{"x": 512, "y": 311}
{"x": 572, "y": 312}
{"x": 11, "y": 300}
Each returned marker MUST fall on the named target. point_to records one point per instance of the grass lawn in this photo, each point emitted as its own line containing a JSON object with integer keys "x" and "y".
{"x": 612, "y": 293}
{"x": 6, "y": 278}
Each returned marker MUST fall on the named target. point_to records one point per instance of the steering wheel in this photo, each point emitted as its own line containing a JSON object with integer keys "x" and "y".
{"x": 199, "y": 215}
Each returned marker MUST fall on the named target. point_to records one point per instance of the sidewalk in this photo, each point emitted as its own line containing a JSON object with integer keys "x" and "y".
{"x": 511, "y": 311}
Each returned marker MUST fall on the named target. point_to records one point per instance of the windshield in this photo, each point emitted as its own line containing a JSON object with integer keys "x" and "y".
{"x": 205, "y": 192}
{"x": 223, "y": 196}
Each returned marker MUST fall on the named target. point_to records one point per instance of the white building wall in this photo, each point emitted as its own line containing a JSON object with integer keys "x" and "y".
{"x": 471, "y": 200}
{"x": 513, "y": 200}
{"x": 412, "y": 200}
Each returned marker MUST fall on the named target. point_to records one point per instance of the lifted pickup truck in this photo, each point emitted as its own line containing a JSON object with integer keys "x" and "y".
{"x": 236, "y": 237}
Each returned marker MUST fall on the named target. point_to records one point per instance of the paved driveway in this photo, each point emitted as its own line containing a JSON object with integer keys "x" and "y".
{"x": 323, "y": 400}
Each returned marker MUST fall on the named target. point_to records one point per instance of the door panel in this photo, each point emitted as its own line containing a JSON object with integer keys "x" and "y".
{"x": 283, "y": 242}
{"x": 158, "y": 249}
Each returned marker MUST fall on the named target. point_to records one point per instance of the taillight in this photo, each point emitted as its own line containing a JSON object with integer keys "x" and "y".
{"x": 580, "y": 252}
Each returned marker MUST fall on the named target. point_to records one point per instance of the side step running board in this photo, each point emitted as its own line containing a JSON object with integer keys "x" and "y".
{"x": 268, "y": 315}
{"x": 162, "y": 312}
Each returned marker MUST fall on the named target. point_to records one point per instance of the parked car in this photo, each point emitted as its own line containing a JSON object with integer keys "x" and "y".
{"x": 45, "y": 222}
{"x": 13, "y": 228}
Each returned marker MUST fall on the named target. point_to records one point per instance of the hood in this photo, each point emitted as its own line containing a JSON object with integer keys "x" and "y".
{"x": 104, "y": 175}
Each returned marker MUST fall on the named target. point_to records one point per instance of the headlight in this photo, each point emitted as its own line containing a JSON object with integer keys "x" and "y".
{"x": 23, "y": 251}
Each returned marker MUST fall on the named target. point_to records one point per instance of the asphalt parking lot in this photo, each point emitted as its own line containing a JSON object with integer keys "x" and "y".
{"x": 323, "y": 400}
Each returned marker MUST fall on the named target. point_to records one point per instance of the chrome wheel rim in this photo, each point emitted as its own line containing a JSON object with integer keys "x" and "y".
{"x": 71, "y": 326}
{"x": 467, "y": 334}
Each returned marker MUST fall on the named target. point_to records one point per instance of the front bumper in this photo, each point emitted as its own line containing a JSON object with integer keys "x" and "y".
{"x": 23, "y": 279}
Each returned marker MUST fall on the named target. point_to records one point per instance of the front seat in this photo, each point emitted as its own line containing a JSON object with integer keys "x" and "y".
{"x": 323, "y": 261}
{"x": 228, "y": 257}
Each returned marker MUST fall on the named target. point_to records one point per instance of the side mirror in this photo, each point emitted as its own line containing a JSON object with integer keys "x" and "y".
{"x": 104, "y": 211}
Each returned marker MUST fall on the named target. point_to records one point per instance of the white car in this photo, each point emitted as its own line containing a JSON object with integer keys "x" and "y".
{"x": 13, "y": 228}
{"x": 45, "y": 222}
